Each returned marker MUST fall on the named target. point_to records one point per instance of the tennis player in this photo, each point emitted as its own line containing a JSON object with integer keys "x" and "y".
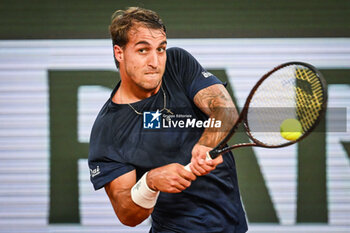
{"x": 166, "y": 112}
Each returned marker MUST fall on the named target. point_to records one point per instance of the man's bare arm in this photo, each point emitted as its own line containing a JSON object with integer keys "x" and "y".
{"x": 171, "y": 178}
{"x": 216, "y": 102}
{"x": 119, "y": 194}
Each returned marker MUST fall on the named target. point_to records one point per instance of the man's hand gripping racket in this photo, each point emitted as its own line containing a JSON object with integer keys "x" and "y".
{"x": 283, "y": 107}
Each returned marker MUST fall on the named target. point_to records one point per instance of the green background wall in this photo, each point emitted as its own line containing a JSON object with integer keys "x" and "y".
{"x": 57, "y": 19}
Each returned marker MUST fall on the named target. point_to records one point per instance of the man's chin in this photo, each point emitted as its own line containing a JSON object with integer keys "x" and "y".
{"x": 151, "y": 85}
{"x": 153, "y": 81}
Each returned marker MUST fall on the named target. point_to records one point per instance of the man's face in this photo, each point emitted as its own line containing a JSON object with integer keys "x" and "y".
{"x": 143, "y": 58}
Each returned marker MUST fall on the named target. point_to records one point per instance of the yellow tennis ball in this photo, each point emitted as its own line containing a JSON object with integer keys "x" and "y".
{"x": 291, "y": 129}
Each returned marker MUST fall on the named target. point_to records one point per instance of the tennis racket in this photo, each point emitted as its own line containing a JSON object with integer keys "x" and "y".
{"x": 293, "y": 96}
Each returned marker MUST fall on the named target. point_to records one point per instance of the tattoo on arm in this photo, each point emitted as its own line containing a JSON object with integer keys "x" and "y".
{"x": 216, "y": 102}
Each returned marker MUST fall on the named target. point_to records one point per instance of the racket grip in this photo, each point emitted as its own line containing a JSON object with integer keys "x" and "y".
{"x": 188, "y": 168}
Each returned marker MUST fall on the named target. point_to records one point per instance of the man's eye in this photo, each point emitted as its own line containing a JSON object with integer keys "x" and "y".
{"x": 161, "y": 49}
{"x": 142, "y": 50}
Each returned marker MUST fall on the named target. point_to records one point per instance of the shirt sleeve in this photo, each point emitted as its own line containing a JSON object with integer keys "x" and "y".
{"x": 103, "y": 172}
{"x": 105, "y": 163}
{"x": 193, "y": 76}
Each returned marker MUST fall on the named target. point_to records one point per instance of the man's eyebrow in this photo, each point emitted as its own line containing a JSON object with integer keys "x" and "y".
{"x": 143, "y": 42}
{"x": 164, "y": 43}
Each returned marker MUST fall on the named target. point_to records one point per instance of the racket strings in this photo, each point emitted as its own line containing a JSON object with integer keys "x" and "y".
{"x": 272, "y": 102}
{"x": 293, "y": 91}
{"x": 308, "y": 100}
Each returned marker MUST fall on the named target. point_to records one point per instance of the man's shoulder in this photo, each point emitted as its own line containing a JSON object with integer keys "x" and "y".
{"x": 176, "y": 51}
{"x": 103, "y": 118}
{"x": 111, "y": 117}
{"x": 177, "y": 57}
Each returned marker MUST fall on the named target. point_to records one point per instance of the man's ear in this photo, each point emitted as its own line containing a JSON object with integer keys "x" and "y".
{"x": 118, "y": 53}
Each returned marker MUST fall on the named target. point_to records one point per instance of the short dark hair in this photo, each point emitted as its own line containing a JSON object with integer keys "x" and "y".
{"x": 123, "y": 20}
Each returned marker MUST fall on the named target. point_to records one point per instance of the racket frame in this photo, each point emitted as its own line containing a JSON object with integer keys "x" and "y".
{"x": 222, "y": 146}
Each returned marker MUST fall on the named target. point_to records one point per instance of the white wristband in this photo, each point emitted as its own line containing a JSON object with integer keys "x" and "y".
{"x": 142, "y": 195}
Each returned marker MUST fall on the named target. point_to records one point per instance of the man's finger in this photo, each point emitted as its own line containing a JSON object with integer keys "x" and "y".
{"x": 196, "y": 170}
{"x": 217, "y": 160}
{"x": 204, "y": 169}
{"x": 188, "y": 175}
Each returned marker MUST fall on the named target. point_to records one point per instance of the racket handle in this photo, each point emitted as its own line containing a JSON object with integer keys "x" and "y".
{"x": 187, "y": 167}
{"x": 215, "y": 153}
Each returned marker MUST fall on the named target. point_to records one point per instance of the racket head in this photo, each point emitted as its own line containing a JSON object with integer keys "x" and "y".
{"x": 292, "y": 90}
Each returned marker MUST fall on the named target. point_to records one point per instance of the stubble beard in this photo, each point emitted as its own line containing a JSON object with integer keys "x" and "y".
{"x": 145, "y": 86}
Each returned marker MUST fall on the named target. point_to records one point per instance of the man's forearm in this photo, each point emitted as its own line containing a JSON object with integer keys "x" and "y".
{"x": 127, "y": 211}
{"x": 216, "y": 102}
{"x": 119, "y": 193}
{"x": 212, "y": 136}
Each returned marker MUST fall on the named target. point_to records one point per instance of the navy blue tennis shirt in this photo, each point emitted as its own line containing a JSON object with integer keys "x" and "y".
{"x": 122, "y": 140}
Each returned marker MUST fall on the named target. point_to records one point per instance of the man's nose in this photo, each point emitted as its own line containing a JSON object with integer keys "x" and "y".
{"x": 153, "y": 59}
